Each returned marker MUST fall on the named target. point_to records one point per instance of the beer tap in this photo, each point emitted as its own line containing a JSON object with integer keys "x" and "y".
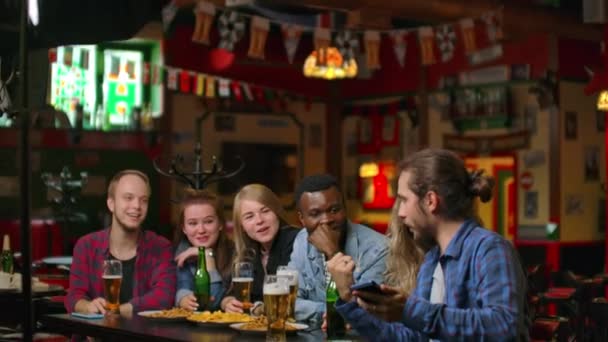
{"x": 198, "y": 178}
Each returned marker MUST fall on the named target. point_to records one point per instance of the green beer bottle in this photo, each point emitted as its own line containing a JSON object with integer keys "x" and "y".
{"x": 336, "y": 328}
{"x": 6, "y": 258}
{"x": 202, "y": 282}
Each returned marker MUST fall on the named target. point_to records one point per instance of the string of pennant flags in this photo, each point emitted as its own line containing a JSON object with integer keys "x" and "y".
{"x": 211, "y": 87}
{"x": 438, "y": 44}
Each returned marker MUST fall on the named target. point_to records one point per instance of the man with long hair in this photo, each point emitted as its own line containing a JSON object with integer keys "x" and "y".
{"x": 470, "y": 286}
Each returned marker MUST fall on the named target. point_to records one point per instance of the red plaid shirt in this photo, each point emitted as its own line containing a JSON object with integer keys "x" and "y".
{"x": 154, "y": 278}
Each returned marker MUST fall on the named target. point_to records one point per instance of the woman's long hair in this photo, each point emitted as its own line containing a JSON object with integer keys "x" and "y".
{"x": 261, "y": 194}
{"x": 224, "y": 247}
{"x": 404, "y": 254}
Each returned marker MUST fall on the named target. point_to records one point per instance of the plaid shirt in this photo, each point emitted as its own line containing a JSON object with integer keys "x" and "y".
{"x": 485, "y": 295}
{"x": 153, "y": 279}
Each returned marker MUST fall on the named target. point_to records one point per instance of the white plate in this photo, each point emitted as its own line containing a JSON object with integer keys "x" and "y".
{"x": 147, "y": 314}
{"x": 238, "y": 327}
{"x": 58, "y": 260}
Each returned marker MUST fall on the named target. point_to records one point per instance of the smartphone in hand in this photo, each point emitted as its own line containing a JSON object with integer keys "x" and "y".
{"x": 370, "y": 286}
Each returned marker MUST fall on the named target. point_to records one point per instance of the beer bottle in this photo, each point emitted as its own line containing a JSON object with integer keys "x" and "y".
{"x": 336, "y": 328}
{"x": 6, "y": 258}
{"x": 202, "y": 281}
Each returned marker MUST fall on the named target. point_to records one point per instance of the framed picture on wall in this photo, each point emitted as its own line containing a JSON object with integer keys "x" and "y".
{"x": 592, "y": 164}
{"x": 390, "y": 130}
{"x": 369, "y": 132}
{"x": 600, "y": 121}
{"x": 571, "y": 125}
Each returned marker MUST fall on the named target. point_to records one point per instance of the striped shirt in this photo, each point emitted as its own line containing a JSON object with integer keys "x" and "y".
{"x": 154, "y": 278}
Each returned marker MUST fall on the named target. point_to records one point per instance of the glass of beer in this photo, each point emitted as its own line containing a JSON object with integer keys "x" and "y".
{"x": 292, "y": 278}
{"x": 276, "y": 306}
{"x": 112, "y": 278}
{"x": 242, "y": 282}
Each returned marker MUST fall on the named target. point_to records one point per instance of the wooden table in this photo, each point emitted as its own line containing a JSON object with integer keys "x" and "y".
{"x": 116, "y": 328}
{"x": 12, "y": 302}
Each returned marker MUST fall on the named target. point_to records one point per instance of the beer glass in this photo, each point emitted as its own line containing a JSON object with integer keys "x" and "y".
{"x": 292, "y": 277}
{"x": 112, "y": 278}
{"x": 242, "y": 282}
{"x": 276, "y": 306}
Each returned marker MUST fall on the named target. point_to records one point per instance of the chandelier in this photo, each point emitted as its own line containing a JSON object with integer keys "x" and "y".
{"x": 329, "y": 64}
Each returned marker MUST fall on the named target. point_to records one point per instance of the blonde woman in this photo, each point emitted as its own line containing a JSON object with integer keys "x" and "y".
{"x": 262, "y": 236}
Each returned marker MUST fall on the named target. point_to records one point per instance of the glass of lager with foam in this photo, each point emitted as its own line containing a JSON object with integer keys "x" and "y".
{"x": 242, "y": 282}
{"x": 276, "y": 306}
{"x": 292, "y": 278}
{"x": 112, "y": 279}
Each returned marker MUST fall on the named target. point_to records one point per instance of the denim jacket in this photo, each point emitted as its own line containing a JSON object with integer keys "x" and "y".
{"x": 185, "y": 280}
{"x": 366, "y": 246}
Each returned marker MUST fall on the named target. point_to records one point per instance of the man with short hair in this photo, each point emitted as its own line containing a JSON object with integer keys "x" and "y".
{"x": 322, "y": 212}
{"x": 148, "y": 269}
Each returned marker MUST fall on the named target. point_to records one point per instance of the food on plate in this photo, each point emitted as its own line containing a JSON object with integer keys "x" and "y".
{"x": 172, "y": 313}
{"x": 219, "y": 317}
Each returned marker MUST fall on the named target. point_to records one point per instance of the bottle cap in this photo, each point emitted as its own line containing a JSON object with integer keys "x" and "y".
{"x": 6, "y": 244}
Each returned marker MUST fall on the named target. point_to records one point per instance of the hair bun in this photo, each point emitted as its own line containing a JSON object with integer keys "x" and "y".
{"x": 481, "y": 185}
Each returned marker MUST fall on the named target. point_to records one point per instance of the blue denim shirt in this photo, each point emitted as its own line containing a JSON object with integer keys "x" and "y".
{"x": 485, "y": 295}
{"x": 366, "y": 246}
{"x": 185, "y": 280}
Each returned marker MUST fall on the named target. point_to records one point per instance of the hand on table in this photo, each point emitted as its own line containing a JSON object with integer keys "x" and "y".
{"x": 388, "y": 305}
{"x": 97, "y": 305}
{"x": 231, "y": 304}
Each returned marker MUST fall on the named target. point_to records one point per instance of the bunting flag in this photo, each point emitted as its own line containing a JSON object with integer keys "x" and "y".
{"x": 157, "y": 75}
{"x": 467, "y": 27}
{"x": 247, "y": 91}
{"x": 172, "y": 78}
{"x": 371, "y": 40}
{"x": 168, "y": 14}
{"x": 322, "y": 38}
{"x": 348, "y": 44}
{"x": 291, "y": 39}
{"x": 200, "y": 85}
{"x": 399, "y": 45}
{"x": 236, "y": 91}
{"x": 493, "y": 22}
{"x": 223, "y": 89}
{"x": 446, "y": 41}
{"x": 257, "y": 42}
{"x": 259, "y": 95}
{"x": 210, "y": 87}
{"x": 146, "y": 73}
{"x": 204, "y": 12}
{"x": 427, "y": 48}
{"x": 185, "y": 82}
{"x": 231, "y": 28}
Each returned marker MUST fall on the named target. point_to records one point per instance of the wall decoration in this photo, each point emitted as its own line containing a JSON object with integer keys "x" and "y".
{"x": 592, "y": 168}
{"x": 314, "y": 136}
{"x": 531, "y": 204}
{"x": 534, "y": 158}
{"x": 376, "y": 181}
{"x": 600, "y": 121}
{"x": 369, "y": 134}
{"x": 574, "y": 204}
{"x": 390, "y": 130}
{"x": 224, "y": 123}
{"x": 571, "y": 125}
{"x": 531, "y": 118}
